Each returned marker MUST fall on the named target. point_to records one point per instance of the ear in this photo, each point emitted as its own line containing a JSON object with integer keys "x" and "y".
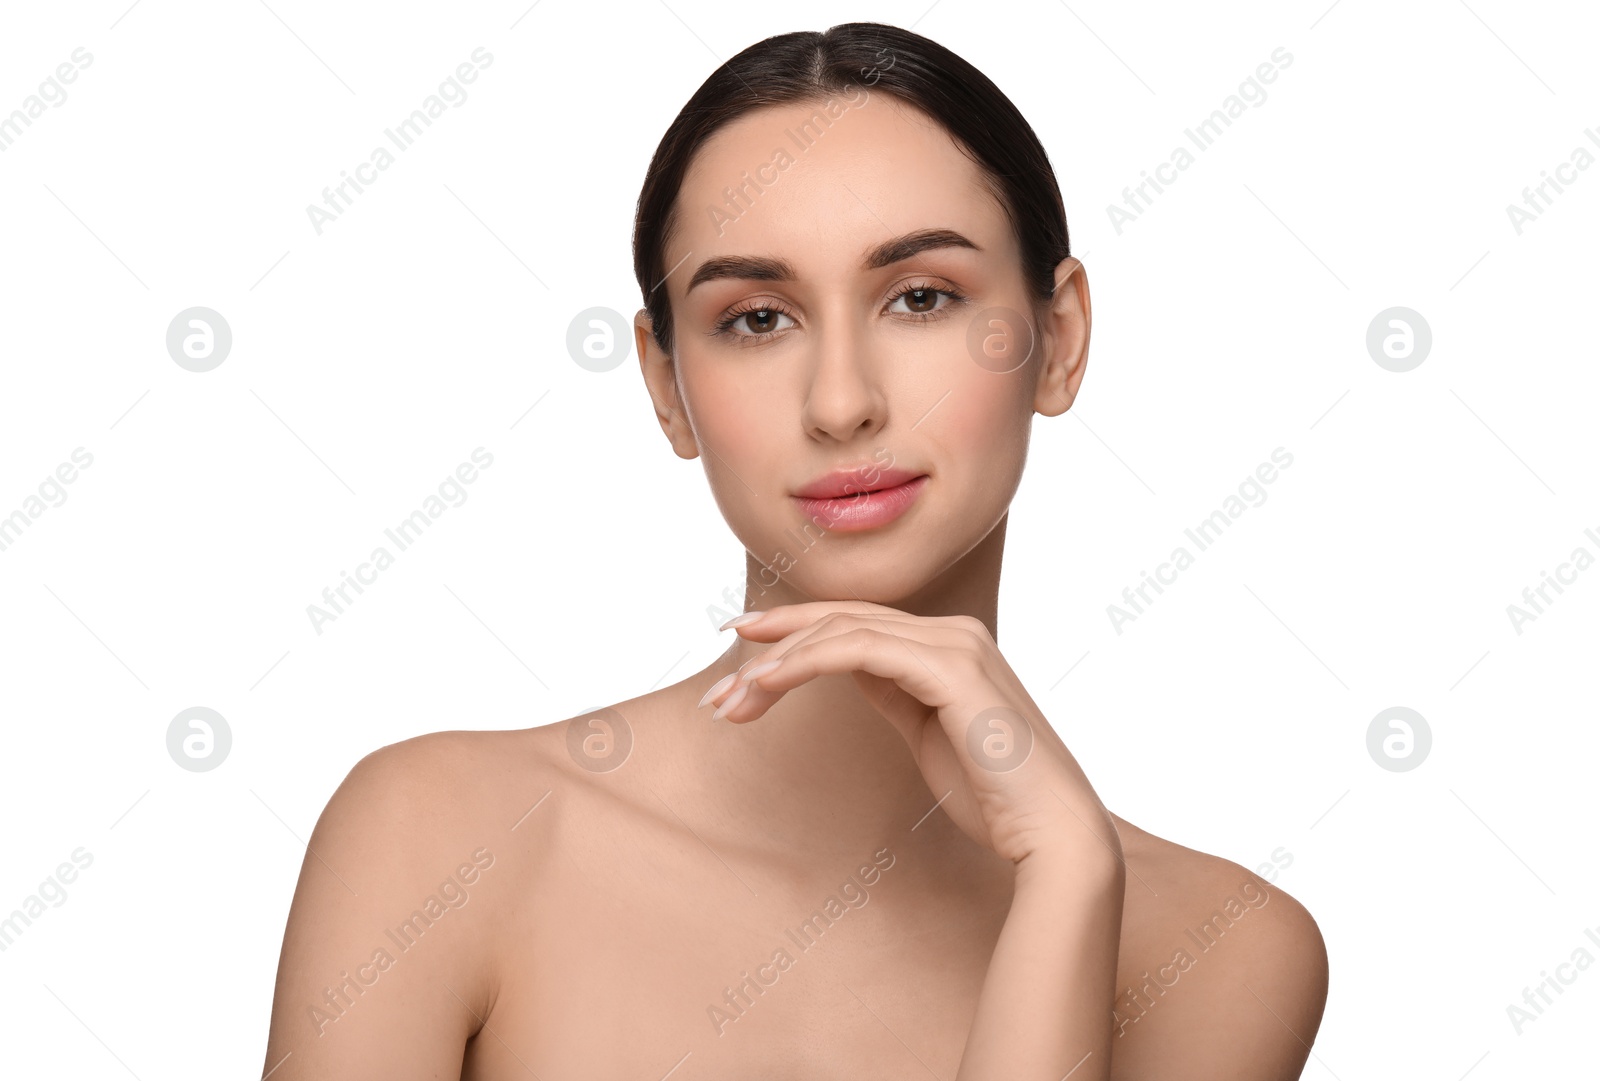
{"x": 1064, "y": 332}
{"x": 661, "y": 380}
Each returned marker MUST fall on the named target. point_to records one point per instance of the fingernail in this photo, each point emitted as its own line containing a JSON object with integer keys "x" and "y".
{"x": 732, "y": 700}
{"x": 718, "y": 687}
{"x": 758, "y": 671}
{"x": 739, "y": 621}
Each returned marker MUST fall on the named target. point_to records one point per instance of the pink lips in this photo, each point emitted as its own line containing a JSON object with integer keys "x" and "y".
{"x": 838, "y": 501}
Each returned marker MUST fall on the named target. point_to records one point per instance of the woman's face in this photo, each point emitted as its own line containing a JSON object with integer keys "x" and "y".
{"x": 828, "y": 271}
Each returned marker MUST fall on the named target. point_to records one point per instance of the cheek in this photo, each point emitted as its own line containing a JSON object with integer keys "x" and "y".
{"x": 985, "y": 420}
{"x": 725, "y": 416}
{"x": 741, "y": 445}
{"x": 982, "y": 443}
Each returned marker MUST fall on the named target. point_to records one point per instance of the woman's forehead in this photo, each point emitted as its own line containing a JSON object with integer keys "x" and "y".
{"x": 800, "y": 178}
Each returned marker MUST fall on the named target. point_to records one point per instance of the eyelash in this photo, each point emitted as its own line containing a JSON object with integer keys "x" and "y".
{"x": 723, "y": 326}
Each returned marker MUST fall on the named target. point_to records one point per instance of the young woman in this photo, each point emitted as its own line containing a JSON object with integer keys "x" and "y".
{"x": 853, "y": 845}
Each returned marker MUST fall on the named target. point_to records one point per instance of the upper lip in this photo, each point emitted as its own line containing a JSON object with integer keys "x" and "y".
{"x": 863, "y": 478}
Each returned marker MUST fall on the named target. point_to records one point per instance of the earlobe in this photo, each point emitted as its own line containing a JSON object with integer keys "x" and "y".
{"x": 1065, "y": 330}
{"x": 660, "y": 380}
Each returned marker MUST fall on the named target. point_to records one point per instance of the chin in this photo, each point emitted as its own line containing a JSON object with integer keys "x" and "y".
{"x": 881, "y": 578}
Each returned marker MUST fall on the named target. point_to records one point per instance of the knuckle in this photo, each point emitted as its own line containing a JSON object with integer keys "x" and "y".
{"x": 862, "y": 637}
{"x": 973, "y": 626}
{"x": 863, "y": 642}
{"x": 835, "y": 621}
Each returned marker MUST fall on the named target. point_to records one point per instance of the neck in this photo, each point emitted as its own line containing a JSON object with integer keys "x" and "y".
{"x": 822, "y": 775}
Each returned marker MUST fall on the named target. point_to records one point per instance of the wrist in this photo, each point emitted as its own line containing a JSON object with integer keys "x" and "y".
{"x": 1077, "y": 868}
{"x": 1080, "y": 843}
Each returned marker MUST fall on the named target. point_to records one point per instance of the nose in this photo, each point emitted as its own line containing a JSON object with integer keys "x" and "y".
{"x": 845, "y": 399}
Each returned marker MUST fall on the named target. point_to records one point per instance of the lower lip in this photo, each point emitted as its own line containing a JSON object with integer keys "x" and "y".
{"x": 863, "y": 510}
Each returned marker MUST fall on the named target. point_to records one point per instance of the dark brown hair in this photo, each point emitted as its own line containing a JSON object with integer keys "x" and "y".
{"x": 811, "y": 66}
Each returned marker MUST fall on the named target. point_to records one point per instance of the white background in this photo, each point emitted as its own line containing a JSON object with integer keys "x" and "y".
{"x": 368, "y": 361}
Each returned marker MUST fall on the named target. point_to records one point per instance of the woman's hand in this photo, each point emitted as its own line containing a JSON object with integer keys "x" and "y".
{"x": 1002, "y": 775}
{"x": 987, "y": 752}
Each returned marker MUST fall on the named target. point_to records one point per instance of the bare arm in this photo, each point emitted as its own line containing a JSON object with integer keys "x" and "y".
{"x": 1246, "y": 1009}
{"x": 381, "y": 974}
{"x": 1045, "y": 1008}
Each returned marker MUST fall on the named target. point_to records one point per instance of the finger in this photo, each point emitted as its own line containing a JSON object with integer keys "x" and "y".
{"x": 914, "y": 630}
{"x": 784, "y": 619}
{"x": 781, "y": 620}
{"x": 930, "y": 674}
{"x": 911, "y": 628}
{"x": 783, "y": 645}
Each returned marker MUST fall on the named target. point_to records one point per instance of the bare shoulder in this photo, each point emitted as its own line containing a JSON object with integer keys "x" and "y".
{"x": 429, "y": 797}
{"x": 390, "y": 941}
{"x": 1222, "y": 974}
{"x": 456, "y": 766}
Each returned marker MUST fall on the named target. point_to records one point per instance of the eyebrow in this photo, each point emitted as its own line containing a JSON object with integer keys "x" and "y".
{"x": 894, "y": 250}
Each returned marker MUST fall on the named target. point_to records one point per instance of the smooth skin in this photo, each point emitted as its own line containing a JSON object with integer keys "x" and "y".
{"x": 610, "y": 899}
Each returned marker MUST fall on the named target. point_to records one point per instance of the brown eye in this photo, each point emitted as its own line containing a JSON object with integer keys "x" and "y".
{"x": 753, "y": 323}
{"x": 924, "y": 300}
{"x": 761, "y": 320}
